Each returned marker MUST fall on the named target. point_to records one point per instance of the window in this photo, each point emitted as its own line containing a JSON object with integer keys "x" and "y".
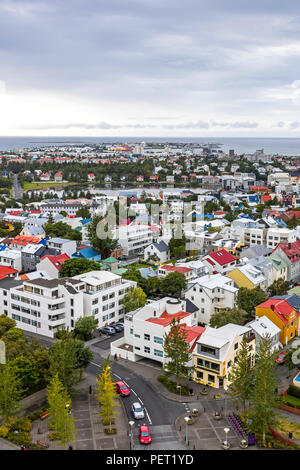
{"x": 147, "y": 349}
{"x": 158, "y": 340}
{"x": 236, "y": 346}
{"x": 137, "y": 336}
{"x": 199, "y": 374}
{"x": 147, "y": 337}
{"x": 136, "y": 347}
{"x": 211, "y": 378}
{"x": 159, "y": 353}
{"x": 229, "y": 364}
{"x": 131, "y": 331}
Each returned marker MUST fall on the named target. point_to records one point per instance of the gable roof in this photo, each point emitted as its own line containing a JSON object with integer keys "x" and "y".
{"x": 280, "y": 306}
{"x": 291, "y": 250}
{"x": 177, "y": 269}
{"x": 221, "y": 257}
{"x": 57, "y": 260}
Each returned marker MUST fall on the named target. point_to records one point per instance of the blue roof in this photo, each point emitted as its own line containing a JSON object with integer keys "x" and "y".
{"x": 43, "y": 241}
{"x": 86, "y": 253}
{"x": 2, "y": 247}
{"x": 85, "y": 221}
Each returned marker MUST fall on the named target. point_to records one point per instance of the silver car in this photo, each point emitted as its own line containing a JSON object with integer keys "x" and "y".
{"x": 137, "y": 410}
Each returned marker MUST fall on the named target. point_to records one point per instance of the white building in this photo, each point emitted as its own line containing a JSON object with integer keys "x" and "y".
{"x": 134, "y": 238}
{"x": 159, "y": 249}
{"x": 280, "y": 235}
{"x": 11, "y": 258}
{"x": 145, "y": 329}
{"x": 63, "y": 245}
{"x": 45, "y": 306}
{"x": 262, "y": 327}
{"x": 210, "y": 294}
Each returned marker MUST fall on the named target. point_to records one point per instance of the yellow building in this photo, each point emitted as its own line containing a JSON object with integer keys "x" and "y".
{"x": 283, "y": 315}
{"x": 215, "y": 353}
{"x": 247, "y": 276}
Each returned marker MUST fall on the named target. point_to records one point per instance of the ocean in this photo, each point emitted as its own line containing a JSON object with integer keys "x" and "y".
{"x": 280, "y": 146}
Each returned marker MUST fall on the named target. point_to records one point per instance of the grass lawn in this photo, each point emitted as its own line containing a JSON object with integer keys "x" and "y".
{"x": 284, "y": 427}
{"x": 290, "y": 400}
{"x": 45, "y": 184}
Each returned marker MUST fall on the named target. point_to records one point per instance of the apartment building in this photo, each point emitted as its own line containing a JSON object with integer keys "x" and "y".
{"x": 215, "y": 353}
{"x": 45, "y": 306}
{"x": 210, "y": 294}
{"x": 57, "y": 208}
{"x": 145, "y": 329}
{"x": 280, "y": 235}
{"x": 11, "y": 258}
{"x": 104, "y": 294}
{"x": 166, "y": 269}
{"x": 134, "y": 238}
{"x": 62, "y": 245}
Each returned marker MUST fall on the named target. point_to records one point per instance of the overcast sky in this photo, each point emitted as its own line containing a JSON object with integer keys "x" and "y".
{"x": 150, "y": 68}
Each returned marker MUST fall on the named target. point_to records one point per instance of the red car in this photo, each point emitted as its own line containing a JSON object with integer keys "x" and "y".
{"x": 280, "y": 358}
{"x": 144, "y": 435}
{"x": 122, "y": 389}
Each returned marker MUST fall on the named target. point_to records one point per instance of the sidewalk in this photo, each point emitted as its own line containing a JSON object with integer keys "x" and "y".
{"x": 90, "y": 430}
{"x": 150, "y": 374}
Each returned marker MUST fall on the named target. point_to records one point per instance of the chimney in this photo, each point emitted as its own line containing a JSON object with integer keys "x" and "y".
{"x": 289, "y": 245}
{"x": 272, "y": 307}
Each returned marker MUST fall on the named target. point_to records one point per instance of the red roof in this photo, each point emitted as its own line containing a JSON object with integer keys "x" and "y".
{"x": 193, "y": 334}
{"x": 178, "y": 269}
{"x": 57, "y": 260}
{"x": 5, "y": 271}
{"x": 221, "y": 257}
{"x": 281, "y": 307}
{"x": 291, "y": 250}
{"x": 166, "y": 318}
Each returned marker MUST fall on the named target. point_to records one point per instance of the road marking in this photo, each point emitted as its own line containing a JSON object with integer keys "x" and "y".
{"x": 133, "y": 392}
{"x": 94, "y": 364}
{"x": 148, "y": 415}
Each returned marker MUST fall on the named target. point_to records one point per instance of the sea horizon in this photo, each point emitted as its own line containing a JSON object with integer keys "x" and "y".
{"x": 289, "y": 146}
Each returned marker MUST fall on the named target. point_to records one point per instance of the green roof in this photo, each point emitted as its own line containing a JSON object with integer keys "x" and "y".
{"x": 110, "y": 260}
{"x": 277, "y": 261}
{"x": 295, "y": 290}
{"x": 119, "y": 271}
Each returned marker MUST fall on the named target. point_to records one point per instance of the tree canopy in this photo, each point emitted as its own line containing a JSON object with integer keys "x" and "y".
{"x": 73, "y": 267}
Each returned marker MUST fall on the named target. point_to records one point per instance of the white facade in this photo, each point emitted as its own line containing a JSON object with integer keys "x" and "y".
{"x": 12, "y": 258}
{"x": 45, "y": 306}
{"x": 134, "y": 238}
{"x": 145, "y": 329}
{"x": 62, "y": 245}
{"x": 210, "y": 294}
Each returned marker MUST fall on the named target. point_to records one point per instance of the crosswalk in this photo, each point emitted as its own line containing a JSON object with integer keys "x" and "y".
{"x": 164, "y": 437}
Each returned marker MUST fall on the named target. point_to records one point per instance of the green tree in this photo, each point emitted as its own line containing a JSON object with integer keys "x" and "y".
{"x": 84, "y": 327}
{"x": 241, "y": 376}
{"x": 229, "y": 315}
{"x": 177, "y": 247}
{"x": 73, "y": 267}
{"x": 134, "y": 299}
{"x": 64, "y": 362}
{"x": 84, "y": 213}
{"x": 6, "y": 324}
{"x": 106, "y": 394}
{"x": 61, "y": 422}
{"x": 177, "y": 351}
{"x": 247, "y": 299}
{"x": 263, "y": 398}
{"x": 104, "y": 246}
{"x": 173, "y": 283}
{"x": 11, "y": 391}
{"x": 279, "y": 287}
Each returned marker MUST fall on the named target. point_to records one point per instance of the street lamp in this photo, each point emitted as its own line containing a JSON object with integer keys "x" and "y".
{"x": 131, "y": 423}
{"x": 187, "y": 419}
{"x": 226, "y": 430}
{"x": 179, "y": 386}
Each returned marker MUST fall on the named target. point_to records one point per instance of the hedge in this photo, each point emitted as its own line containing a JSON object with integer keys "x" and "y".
{"x": 291, "y": 401}
{"x": 294, "y": 391}
{"x": 172, "y": 386}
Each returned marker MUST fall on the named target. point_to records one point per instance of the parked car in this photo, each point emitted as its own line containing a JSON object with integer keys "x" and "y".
{"x": 137, "y": 410}
{"x": 119, "y": 327}
{"x": 122, "y": 389}
{"x": 107, "y": 330}
{"x": 144, "y": 435}
{"x": 280, "y": 359}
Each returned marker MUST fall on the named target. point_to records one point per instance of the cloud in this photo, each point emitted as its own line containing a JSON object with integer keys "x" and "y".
{"x": 218, "y": 66}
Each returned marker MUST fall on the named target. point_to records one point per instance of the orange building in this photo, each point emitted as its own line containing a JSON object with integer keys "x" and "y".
{"x": 283, "y": 315}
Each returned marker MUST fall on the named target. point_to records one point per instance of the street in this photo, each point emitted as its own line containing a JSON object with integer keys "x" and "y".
{"x": 17, "y": 191}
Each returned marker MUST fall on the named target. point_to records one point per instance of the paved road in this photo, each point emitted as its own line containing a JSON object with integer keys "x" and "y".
{"x": 160, "y": 413}
{"x": 17, "y": 191}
